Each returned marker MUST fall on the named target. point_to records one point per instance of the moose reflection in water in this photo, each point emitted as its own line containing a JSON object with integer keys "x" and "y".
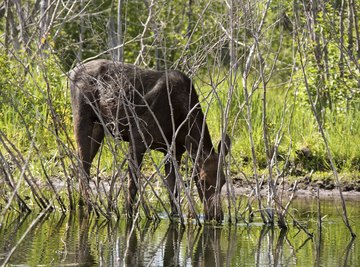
{"x": 202, "y": 247}
{"x": 157, "y": 110}
{"x": 89, "y": 241}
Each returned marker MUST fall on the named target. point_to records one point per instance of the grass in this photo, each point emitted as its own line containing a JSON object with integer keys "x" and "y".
{"x": 292, "y": 119}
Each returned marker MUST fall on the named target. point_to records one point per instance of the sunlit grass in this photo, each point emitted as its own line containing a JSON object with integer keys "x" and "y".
{"x": 299, "y": 131}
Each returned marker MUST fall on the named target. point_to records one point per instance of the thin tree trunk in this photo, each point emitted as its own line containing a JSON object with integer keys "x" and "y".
{"x": 356, "y": 23}
{"x": 321, "y": 95}
{"x": 190, "y": 21}
{"x": 43, "y": 17}
{"x": 232, "y": 83}
{"x": 350, "y": 31}
{"x": 7, "y": 25}
{"x": 22, "y": 26}
{"x": 141, "y": 57}
{"x": 341, "y": 60}
{"x": 250, "y": 128}
{"x": 120, "y": 52}
{"x": 81, "y": 34}
{"x": 112, "y": 38}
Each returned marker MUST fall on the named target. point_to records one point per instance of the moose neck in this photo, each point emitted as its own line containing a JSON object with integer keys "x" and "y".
{"x": 200, "y": 132}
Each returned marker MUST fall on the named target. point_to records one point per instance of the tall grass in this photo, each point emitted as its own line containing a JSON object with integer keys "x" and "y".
{"x": 290, "y": 117}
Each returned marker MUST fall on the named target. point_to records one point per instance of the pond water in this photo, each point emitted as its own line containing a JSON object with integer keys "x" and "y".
{"x": 75, "y": 241}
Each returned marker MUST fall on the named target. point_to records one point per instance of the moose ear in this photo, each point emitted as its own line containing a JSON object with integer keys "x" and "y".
{"x": 191, "y": 146}
{"x": 227, "y": 144}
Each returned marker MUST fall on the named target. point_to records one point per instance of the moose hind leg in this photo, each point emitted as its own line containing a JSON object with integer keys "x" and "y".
{"x": 96, "y": 139}
{"x": 83, "y": 129}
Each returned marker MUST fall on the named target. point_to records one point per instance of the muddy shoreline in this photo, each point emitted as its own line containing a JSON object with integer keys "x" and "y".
{"x": 305, "y": 188}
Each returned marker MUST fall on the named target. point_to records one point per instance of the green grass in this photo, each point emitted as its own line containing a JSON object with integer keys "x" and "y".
{"x": 298, "y": 132}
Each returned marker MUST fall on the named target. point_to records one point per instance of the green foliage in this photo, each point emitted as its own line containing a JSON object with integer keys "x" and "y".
{"x": 331, "y": 69}
{"x": 34, "y": 108}
{"x": 94, "y": 26}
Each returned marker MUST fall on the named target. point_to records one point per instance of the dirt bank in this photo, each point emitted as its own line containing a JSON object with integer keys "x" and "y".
{"x": 305, "y": 188}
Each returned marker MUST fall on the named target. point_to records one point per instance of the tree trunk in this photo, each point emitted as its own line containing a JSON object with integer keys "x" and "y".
{"x": 22, "y": 25}
{"x": 120, "y": 52}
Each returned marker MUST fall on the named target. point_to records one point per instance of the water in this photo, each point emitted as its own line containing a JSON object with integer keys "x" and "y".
{"x": 75, "y": 241}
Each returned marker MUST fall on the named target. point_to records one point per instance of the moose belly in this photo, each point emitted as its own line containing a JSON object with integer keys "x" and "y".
{"x": 140, "y": 129}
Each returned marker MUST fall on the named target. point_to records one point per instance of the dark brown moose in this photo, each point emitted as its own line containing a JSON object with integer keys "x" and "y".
{"x": 151, "y": 110}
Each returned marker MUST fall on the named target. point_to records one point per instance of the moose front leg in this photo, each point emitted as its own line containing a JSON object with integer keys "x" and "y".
{"x": 170, "y": 171}
{"x": 135, "y": 160}
{"x": 212, "y": 203}
{"x": 210, "y": 199}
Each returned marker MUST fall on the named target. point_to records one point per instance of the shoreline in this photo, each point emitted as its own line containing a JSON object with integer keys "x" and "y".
{"x": 324, "y": 194}
{"x": 304, "y": 189}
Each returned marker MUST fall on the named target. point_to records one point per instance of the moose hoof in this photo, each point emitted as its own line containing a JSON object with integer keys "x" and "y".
{"x": 213, "y": 214}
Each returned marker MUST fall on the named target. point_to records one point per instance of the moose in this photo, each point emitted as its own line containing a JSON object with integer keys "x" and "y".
{"x": 157, "y": 110}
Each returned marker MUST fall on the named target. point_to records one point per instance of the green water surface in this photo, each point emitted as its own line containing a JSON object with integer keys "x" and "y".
{"x": 84, "y": 241}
